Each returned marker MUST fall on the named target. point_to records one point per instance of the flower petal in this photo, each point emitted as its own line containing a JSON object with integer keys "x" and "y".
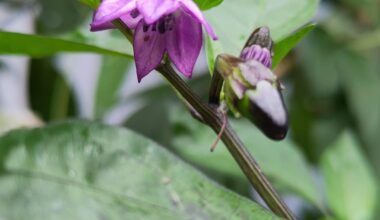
{"x": 268, "y": 109}
{"x": 193, "y": 9}
{"x": 253, "y": 71}
{"x": 149, "y": 49}
{"x": 184, "y": 42}
{"x": 132, "y": 19}
{"x": 152, "y": 10}
{"x": 110, "y": 10}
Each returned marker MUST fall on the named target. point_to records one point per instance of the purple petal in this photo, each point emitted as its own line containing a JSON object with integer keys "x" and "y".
{"x": 149, "y": 49}
{"x": 256, "y": 52}
{"x": 238, "y": 88}
{"x": 110, "y": 10}
{"x": 193, "y": 9}
{"x": 253, "y": 71}
{"x": 184, "y": 42}
{"x": 152, "y": 10}
{"x": 132, "y": 19}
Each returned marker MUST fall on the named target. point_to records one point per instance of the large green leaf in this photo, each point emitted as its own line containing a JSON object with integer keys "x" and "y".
{"x": 281, "y": 161}
{"x": 81, "y": 170}
{"x": 235, "y": 20}
{"x": 41, "y": 46}
{"x": 350, "y": 183}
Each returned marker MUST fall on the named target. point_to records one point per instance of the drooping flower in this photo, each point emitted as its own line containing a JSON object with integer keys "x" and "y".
{"x": 251, "y": 89}
{"x": 161, "y": 26}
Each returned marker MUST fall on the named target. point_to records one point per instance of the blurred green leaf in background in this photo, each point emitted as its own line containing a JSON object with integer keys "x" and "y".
{"x": 80, "y": 170}
{"x": 351, "y": 187}
{"x": 76, "y": 170}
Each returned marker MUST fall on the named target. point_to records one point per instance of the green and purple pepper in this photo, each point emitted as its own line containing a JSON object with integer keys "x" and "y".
{"x": 251, "y": 88}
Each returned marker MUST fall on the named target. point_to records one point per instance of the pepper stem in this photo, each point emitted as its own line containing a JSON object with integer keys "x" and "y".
{"x": 214, "y": 120}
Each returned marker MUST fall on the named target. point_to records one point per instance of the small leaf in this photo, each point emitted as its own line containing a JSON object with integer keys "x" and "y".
{"x": 91, "y": 3}
{"x": 283, "y": 47}
{"x": 207, "y": 4}
{"x": 351, "y": 187}
{"x": 213, "y": 49}
{"x": 81, "y": 170}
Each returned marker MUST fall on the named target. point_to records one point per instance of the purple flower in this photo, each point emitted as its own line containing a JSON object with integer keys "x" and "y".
{"x": 252, "y": 90}
{"x": 258, "y": 53}
{"x": 161, "y": 26}
{"x": 259, "y": 47}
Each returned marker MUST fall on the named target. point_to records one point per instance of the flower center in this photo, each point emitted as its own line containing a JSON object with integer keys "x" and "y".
{"x": 134, "y": 13}
{"x": 166, "y": 23}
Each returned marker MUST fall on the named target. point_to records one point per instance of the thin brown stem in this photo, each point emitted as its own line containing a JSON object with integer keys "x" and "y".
{"x": 236, "y": 147}
{"x": 213, "y": 119}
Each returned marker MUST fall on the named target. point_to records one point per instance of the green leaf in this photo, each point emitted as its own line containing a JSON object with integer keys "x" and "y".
{"x": 50, "y": 96}
{"x": 60, "y": 16}
{"x": 42, "y": 46}
{"x": 91, "y": 3}
{"x": 109, "y": 83}
{"x": 213, "y": 49}
{"x": 321, "y": 75}
{"x": 317, "y": 107}
{"x": 82, "y": 170}
{"x": 283, "y": 47}
{"x": 235, "y": 20}
{"x": 361, "y": 82}
{"x": 193, "y": 141}
{"x": 351, "y": 187}
{"x": 207, "y": 4}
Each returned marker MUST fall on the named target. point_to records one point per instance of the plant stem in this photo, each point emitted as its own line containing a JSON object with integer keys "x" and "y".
{"x": 242, "y": 156}
{"x": 212, "y": 118}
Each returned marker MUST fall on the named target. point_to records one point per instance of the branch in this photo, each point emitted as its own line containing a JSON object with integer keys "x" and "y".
{"x": 213, "y": 119}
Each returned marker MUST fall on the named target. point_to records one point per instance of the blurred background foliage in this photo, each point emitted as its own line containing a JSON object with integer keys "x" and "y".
{"x": 328, "y": 168}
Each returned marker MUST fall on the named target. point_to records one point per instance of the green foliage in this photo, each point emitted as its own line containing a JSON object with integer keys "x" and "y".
{"x": 81, "y": 170}
{"x": 109, "y": 82}
{"x": 42, "y": 46}
{"x": 91, "y": 3}
{"x": 207, "y": 4}
{"x": 50, "y": 96}
{"x": 316, "y": 107}
{"x": 361, "y": 83}
{"x": 193, "y": 140}
{"x": 234, "y": 21}
{"x": 283, "y": 47}
{"x": 99, "y": 171}
{"x": 352, "y": 191}
{"x": 60, "y": 16}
